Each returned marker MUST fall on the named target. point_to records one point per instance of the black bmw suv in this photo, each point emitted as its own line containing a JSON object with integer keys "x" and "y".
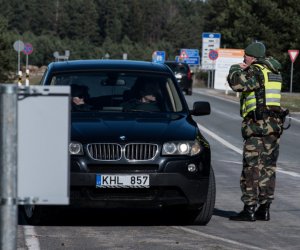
{"x": 133, "y": 139}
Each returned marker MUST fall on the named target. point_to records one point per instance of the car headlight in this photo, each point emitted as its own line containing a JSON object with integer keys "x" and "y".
{"x": 181, "y": 148}
{"x": 178, "y": 76}
{"x": 75, "y": 148}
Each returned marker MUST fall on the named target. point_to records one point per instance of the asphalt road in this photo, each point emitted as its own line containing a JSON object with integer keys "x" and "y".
{"x": 150, "y": 229}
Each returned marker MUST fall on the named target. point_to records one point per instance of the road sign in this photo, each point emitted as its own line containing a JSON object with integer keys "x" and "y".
{"x": 158, "y": 56}
{"x": 28, "y": 49}
{"x": 183, "y": 54}
{"x": 190, "y": 52}
{"x": 213, "y": 55}
{"x": 18, "y": 45}
{"x": 194, "y": 60}
{"x": 210, "y": 41}
{"x": 293, "y": 54}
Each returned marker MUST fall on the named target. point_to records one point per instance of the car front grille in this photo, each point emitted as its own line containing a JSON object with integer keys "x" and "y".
{"x": 140, "y": 151}
{"x": 104, "y": 151}
{"x": 114, "y": 152}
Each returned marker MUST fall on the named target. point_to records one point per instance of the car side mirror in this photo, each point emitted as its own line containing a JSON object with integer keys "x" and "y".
{"x": 200, "y": 108}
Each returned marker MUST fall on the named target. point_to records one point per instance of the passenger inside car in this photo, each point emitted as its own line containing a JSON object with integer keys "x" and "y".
{"x": 79, "y": 96}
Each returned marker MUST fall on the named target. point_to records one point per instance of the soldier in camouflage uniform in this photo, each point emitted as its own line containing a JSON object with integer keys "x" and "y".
{"x": 259, "y": 80}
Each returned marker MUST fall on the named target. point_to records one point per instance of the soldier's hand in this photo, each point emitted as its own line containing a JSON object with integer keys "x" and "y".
{"x": 244, "y": 65}
{"x": 235, "y": 67}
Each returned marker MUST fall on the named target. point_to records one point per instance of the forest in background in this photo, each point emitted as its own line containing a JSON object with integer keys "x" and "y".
{"x": 90, "y": 29}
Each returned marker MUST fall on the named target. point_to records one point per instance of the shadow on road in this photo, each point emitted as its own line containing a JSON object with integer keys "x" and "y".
{"x": 223, "y": 213}
{"x": 56, "y": 216}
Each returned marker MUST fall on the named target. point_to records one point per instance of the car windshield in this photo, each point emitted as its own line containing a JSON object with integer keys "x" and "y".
{"x": 177, "y": 67}
{"x": 120, "y": 92}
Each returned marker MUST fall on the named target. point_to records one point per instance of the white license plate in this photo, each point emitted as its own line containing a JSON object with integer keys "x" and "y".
{"x": 122, "y": 181}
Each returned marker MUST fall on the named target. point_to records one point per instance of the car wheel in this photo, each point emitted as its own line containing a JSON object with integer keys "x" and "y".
{"x": 203, "y": 216}
{"x": 33, "y": 214}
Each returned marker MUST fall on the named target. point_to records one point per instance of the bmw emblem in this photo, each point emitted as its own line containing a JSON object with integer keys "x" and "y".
{"x": 123, "y": 137}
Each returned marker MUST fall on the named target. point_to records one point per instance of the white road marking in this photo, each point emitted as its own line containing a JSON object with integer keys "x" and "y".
{"x": 219, "y": 139}
{"x": 192, "y": 231}
{"x": 31, "y": 239}
{"x": 239, "y": 151}
{"x": 234, "y": 162}
{"x": 294, "y": 119}
{"x": 288, "y": 172}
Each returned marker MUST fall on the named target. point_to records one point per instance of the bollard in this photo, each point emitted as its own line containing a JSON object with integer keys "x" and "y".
{"x": 8, "y": 167}
{"x": 27, "y": 78}
{"x": 226, "y": 88}
{"x": 20, "y": 78}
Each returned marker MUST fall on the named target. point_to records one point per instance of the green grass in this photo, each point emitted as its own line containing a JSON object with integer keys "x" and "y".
{"x": 291, "y": 101}
{"x": 35, "y": 80}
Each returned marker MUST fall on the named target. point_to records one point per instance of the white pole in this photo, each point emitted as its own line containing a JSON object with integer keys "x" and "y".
{"x": 19, "y": 60}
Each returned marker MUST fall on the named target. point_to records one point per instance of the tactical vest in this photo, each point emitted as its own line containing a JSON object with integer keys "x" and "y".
{"x": 272, "y": 92}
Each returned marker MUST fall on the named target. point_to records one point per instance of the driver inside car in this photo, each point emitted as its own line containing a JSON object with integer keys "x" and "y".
{"x": 146, "y": 100}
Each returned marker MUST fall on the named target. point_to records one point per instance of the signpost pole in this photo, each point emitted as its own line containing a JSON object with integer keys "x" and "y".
{"x": 19, "y": 55}
{"x": 8, "y": 167}
{"x": 293, "y": 55}
{"x": 291, "y": 83}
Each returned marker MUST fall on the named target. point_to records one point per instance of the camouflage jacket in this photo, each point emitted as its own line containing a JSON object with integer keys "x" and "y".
{"x": 248, "y": 80}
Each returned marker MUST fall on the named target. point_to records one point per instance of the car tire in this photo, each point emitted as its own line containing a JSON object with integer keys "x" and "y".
{"x": 33, "y": 214}
{"x": 203, "y": 215}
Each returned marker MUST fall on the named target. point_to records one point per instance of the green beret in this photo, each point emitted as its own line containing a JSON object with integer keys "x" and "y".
{"x": 257, "y": 50}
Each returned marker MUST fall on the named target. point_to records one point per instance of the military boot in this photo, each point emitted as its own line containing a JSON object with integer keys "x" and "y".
{"x": 263, "y": 212}
{"x": 248, "y": 214}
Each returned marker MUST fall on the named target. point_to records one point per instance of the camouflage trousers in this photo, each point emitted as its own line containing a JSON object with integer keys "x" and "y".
{"x": 259, "y": 169}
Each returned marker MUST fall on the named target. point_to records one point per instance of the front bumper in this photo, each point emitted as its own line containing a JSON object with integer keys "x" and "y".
{"x": 170, "y": 182}
{"x": 166, "y": 189}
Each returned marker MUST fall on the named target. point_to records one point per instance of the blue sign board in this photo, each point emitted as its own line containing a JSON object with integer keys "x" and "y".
{"x": 194, "y": 60}
{"x": 211, "y": 35}
{"x": 190, "y": 52}
{"x": 159, "y": 56}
